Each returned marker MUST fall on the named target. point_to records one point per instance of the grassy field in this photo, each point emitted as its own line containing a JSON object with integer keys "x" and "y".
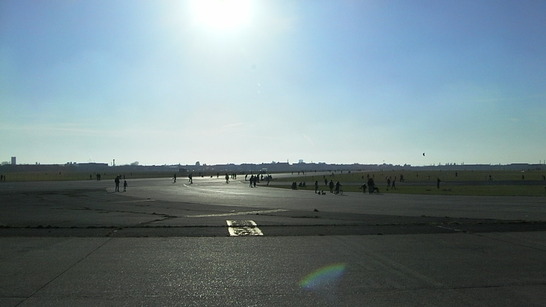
{"x": 446, "y": 189}
{"x": 428, "y": 176}
{"x": 485, "y": 183}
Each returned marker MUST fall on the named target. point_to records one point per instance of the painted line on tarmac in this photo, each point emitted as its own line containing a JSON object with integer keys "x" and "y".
{"x": 239, "y": 228}
{"x": 450, "y": 228}
{"x": 134, "y": 201}
{"x": 238, "y": 213}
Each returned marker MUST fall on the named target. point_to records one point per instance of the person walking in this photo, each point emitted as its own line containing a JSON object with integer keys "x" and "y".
{"x": 117, "y": 183}
{"x": 371, "y": 185}
{"x": 338, "y": 187}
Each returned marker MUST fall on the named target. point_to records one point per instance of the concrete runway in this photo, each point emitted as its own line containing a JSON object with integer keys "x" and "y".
{"x": 164, "y": 243}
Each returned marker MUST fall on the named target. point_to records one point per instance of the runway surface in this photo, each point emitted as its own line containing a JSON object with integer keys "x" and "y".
{"x": 217, "y": 244}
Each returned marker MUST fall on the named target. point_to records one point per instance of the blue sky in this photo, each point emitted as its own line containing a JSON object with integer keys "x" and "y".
{"x": 167, "y": 82}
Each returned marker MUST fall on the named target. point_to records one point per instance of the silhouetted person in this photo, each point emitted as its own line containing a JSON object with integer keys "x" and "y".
{"x": 117, "y": 183}
{"x": 438, "y": 183}
{"x": 316, "y": 186}
{"x": 124, "y": 185}
{"x": 338, "y": 187}
{"x": 363, "y": 187}
{"x": 174, "y": 178}
{"x": 371, "y": 185}
{"x": 227, "y": 178}
{"x": 331, "y": 186}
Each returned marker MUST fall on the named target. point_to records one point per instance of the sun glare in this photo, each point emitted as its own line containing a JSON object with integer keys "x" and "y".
{"x": 221, "y": 14}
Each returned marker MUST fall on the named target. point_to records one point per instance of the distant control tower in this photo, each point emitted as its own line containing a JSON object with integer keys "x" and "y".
{"x": 13, "y": 160}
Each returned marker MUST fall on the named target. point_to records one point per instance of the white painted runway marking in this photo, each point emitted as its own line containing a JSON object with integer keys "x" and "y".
{"x": 134, "y": 201}
{"x": 238, "y": 228}
{"x": 449, "y": 228}
{"x": 238, "y": 213}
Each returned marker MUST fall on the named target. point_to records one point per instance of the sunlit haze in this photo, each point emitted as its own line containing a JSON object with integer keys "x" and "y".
{"x": 218, "y": 15}
{"x": 168, "y": 82}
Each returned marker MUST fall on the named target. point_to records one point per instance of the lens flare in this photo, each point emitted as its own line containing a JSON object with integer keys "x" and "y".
{"x": 222, "y": 14}
{"x": 322, "y": 277}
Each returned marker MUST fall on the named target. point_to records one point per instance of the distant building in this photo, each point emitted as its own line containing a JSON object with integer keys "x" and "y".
{"x": 13, "y": 160}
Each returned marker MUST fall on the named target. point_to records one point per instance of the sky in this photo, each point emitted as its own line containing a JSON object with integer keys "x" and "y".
{"x": 217, "y": 81}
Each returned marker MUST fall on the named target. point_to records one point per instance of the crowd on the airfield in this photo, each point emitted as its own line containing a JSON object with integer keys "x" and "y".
{"x": 334, "y": 188}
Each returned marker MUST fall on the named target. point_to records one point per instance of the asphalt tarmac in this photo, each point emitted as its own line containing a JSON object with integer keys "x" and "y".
{"x": 215, "y": 244}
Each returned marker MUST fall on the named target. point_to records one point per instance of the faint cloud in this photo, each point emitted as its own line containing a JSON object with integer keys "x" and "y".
{"x": 56, "y": 129}
{"x": 217, "y": 130}
{"x": 308, "y": 139}
{"x": 511, "y": 99}
{"x": 233, "y": 125}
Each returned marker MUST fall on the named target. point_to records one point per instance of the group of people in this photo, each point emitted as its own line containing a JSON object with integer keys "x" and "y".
{"x": 254, "y": 179}
{"x": 370, "y": 186}
{"x": 295, "y": 185}
{"x": 391, "y": 183}
{"x": 334, "y": 188}
{"x": 117, "y": 181}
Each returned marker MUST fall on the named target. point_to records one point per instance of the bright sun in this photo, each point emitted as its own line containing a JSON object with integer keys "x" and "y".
{"x": 221, "y": 14}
